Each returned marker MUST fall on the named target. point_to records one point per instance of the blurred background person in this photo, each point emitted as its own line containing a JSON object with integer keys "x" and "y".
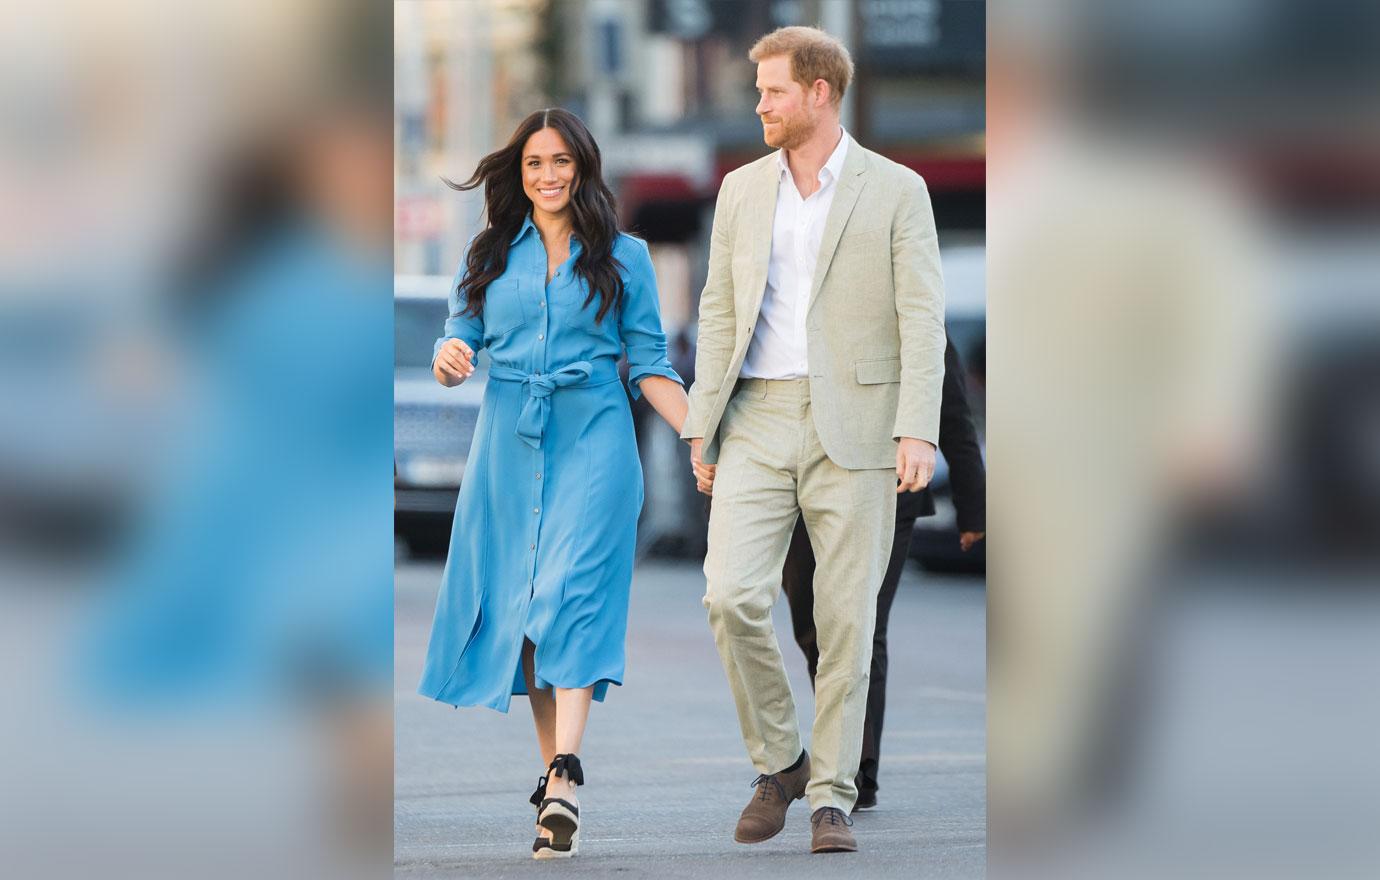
{"x": 1174, "y": 645}
{"x": 197, "y": 259}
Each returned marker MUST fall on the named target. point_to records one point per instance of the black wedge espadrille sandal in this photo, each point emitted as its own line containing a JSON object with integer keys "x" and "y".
{"x": 541, "y": 847}
{"x": 559, "y": 816}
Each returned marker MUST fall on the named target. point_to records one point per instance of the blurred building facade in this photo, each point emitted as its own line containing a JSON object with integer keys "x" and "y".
{"x": 668, "y": 91}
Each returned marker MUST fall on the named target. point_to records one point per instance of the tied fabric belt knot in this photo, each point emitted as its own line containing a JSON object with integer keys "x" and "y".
{"x": 536, "y": 409}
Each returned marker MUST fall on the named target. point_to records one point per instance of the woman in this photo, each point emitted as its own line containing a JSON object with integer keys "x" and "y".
{"x": 535, "y": 593}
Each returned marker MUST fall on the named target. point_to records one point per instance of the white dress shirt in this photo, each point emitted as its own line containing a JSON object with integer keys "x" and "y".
{"x": 778, "y": 346}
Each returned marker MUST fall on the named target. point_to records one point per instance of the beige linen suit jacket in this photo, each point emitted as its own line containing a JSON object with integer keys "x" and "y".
{"x": 875, "y": 319}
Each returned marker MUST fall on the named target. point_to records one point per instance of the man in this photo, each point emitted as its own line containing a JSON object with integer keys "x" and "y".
{"x": 817, "y": 385}
{"x": 959, "y": 443}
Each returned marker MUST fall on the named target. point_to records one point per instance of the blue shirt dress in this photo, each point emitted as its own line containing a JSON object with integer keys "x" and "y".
{"x": 546, "y": 522}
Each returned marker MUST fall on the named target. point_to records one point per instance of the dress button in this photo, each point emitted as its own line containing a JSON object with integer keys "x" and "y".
{"x": 536, "y": 510}
{"x": 543, "y": 304}
{"x": 538, "y": 476}
{"x": 541, "y": 336}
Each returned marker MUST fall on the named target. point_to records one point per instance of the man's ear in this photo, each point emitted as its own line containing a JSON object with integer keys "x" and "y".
{"x": 821, "y": 92}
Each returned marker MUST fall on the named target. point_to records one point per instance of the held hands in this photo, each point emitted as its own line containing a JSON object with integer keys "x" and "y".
{"x": 454, "y": 363}
{"x": 914, "y": 464}
{"x": 704, "y": 473}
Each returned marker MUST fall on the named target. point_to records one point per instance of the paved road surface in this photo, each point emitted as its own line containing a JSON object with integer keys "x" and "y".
{"x": 665, "y": 768}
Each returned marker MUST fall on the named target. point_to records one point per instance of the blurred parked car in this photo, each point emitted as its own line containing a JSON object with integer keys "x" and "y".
{"x": 432, "y": 425}
{"x": 84, "y": 429}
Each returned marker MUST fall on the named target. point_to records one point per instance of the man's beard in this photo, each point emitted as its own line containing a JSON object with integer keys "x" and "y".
{"x": 793, "y": 131}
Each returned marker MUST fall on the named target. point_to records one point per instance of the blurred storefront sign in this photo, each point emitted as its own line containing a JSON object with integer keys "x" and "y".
{"x": 902, "y": 36}
{"x": 922, "y": 36}
{"x": 692, "y": 20}
{"x": 687, "y": 155}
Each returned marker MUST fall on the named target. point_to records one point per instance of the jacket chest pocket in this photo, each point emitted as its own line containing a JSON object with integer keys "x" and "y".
{"x": 504, "y": 308}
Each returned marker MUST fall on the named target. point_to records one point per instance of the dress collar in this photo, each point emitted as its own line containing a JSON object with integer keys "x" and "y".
{"x": 526, "y": 225}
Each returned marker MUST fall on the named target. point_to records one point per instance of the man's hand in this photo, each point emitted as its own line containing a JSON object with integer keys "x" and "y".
{"x": 704, "y": 473}
{"x": 967, "y": 540}
{"x": 914, "y": 464}
{"x": 454, "y": 363}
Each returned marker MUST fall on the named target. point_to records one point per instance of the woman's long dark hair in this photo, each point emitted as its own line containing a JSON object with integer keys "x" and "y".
{"x": 593, "y": 212}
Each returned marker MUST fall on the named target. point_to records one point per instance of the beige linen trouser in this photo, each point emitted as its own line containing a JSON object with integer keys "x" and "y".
{"x": 771, "y": 469}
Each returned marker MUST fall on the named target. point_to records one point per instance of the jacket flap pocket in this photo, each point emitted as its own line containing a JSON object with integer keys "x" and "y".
{"x": 877, "y": 371}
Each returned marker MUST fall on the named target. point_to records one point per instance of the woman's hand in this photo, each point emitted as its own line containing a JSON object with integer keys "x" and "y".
{"x": 454, "y": 364}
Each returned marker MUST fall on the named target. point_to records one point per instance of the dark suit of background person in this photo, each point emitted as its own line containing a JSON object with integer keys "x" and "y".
{"x": 958, "y": 441}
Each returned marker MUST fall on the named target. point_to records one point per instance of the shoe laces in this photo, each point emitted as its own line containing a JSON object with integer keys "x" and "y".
{"x": 540, "y": 793}
{"x": 569, "y": 767}
{"x": 761, "y": 781}
{"x": 833, "y": 815}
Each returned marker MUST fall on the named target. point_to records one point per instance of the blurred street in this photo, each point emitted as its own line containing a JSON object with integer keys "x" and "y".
{"x": 667, "y": 774}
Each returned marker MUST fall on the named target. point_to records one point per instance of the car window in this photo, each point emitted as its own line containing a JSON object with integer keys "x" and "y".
{"x": 417, "y": 324}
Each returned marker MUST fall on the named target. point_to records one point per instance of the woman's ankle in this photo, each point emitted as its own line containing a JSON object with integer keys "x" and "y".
{"x": 564, "y": 775}
{"x": 557, "y": 786}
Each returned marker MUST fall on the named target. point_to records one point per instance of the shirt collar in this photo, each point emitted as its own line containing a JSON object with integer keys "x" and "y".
{"x": 526, "y": 225}
{"x": 834, "y": 164}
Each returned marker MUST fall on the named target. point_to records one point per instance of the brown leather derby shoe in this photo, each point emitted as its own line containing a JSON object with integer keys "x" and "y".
{"x": 765, "y": 815}
{"x": 830, "y": 831}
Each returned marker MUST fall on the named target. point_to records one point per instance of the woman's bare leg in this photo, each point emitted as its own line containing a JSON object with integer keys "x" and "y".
{"x": 543, "y": 708}
{"x": 543, "y": 715}
{"x": 572, "y": 711}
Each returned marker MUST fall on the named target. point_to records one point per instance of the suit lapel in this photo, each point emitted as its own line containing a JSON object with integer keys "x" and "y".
{"x": 850, "y": 185}
{"x": 763, "y": 217}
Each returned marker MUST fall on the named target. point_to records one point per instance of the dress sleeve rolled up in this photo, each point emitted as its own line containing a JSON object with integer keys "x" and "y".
{"x": 639, "y": 321}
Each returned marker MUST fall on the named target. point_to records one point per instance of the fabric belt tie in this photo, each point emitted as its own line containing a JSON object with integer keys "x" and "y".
{"x": 536, "y": 409}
